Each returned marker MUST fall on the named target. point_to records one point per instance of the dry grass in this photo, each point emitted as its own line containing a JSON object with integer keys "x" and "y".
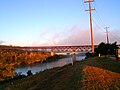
{"x": 97, "y": 78}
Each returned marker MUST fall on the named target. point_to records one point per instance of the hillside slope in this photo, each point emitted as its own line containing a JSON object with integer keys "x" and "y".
{"x": 90, "y": 74}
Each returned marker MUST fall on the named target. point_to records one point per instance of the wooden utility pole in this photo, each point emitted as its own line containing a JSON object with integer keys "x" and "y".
{"x": 91, "y": 30}
{"x": 107, "y": 34}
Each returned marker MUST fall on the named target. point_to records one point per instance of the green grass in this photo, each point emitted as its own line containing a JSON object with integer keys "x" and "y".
{"x": 74, "y": 77}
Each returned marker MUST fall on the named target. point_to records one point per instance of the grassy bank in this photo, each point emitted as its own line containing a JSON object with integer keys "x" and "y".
{"x": 90, "y": 74}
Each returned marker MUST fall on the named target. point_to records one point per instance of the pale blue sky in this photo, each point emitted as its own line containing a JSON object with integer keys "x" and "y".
{"x": 57, "y": 22}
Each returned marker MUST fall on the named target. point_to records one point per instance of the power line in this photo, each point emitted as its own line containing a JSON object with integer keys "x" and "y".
{"x": 101, "y": 23}
{"x": 98, "y": 13}
{"x": 97, "y": 25}
{"x": 116, "y": 34}
{"x": 100, "y": 18}
{"x": 111, "y": 34}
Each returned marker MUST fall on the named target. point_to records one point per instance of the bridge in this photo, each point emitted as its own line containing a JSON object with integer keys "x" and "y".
{"x": 56, "y": 49}
{"x": 81, "y": 48}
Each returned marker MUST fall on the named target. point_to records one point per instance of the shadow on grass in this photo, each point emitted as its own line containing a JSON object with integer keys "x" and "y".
{"x": 104, "y": 63}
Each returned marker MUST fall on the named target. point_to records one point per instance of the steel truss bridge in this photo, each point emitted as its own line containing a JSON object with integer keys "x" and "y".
{"x": 82, "y": 48}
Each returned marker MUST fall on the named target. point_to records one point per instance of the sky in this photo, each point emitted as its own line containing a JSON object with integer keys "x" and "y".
{"x": 57, "y": 22}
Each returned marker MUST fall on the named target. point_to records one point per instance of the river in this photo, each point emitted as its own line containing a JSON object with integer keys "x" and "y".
{"x": 38, "y": 67}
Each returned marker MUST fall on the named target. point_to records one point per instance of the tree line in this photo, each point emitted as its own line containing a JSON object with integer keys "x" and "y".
{"x": 105, "y": 49}
{"x": 11, "y": 58}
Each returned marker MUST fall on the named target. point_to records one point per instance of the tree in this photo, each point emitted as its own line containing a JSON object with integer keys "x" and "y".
{"x": 6, "y": 71}
{"x": 113, "y": 48}
{"x": 29, "y": 73}
{"x": 105, "y": 49}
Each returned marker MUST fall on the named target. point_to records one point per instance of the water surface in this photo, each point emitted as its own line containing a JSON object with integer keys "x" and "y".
{"x": 38, "y": 67}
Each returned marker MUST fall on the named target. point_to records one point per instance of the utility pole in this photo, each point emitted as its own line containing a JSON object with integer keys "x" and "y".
{"x": 107, "y": 34}
{"x": 91, "y": 30}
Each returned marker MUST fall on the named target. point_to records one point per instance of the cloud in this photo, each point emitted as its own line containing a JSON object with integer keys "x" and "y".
{"x": 4, "y": 43}
{"x": 1, "y": 42}
{"x": 72, "y": 35}
{"x": 75, "y": 35}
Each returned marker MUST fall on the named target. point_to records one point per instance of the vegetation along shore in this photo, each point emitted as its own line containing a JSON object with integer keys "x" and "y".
{"x": 90, "y": 74}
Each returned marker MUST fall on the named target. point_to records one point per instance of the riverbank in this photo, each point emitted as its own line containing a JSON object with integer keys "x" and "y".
{"x": 46, "y": 60}
{"x": 48, "y": 63}
{"x": 90, "y": 74}
{"x": 54, "y": 58}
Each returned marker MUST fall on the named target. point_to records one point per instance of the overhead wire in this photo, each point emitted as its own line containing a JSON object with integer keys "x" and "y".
{"x": 98, "y": 12}
{"x": 101, "y": 24}
{"x": 94, "y": 20}
{"x": 114, "y": 36}
{"x": 100, "y": 27}
{"x": 97, "y": 25}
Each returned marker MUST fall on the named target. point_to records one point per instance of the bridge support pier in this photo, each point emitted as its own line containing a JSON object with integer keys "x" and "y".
{"x": 74, "y": 57}
{"x": 52, "y": 53}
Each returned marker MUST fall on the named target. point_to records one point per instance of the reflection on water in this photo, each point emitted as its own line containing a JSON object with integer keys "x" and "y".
{"x": 37, "y": 67}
